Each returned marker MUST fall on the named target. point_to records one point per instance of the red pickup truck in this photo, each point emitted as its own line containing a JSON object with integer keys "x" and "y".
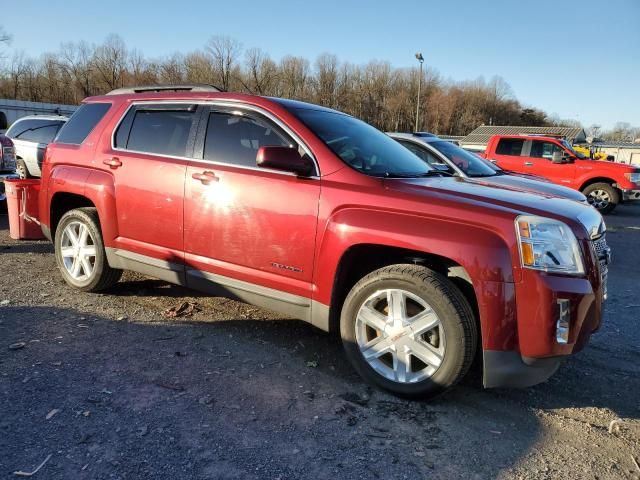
{"x": 605, "y": 184}
{"x": 319, "y": 216}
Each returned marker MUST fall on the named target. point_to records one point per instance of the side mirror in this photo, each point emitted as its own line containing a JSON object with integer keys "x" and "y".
{"x": 287, "y": 159}
{"x": 559, "y": 157}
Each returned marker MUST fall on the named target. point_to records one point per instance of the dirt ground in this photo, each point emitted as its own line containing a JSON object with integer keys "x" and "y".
{"x": 110, "y": 388}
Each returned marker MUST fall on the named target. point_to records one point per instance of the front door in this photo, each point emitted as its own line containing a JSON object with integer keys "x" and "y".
{"x": 248, "y": 229}
{"x": 508, "y": 155}
{"x": 541, "y": 155}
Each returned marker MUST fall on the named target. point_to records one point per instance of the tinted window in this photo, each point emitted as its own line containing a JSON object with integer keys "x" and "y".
{"x": 40, "y": 131}
{"x": 544, "y": 149}
{"x": 361, "y": 146}
{"x": 82, "y": 122}
{"x": 426, "y": 155}
{"x": 161, "y": 131}
{"x": 233, "y": 138}
{"x": 510, "y": 146}
{"x": 468, "y": 162}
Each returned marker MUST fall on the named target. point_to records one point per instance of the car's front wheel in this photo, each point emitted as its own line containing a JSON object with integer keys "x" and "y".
{"x": 409, "y": 330}
{"x": 80, "y": 253}
{"x": 602, "y": 196}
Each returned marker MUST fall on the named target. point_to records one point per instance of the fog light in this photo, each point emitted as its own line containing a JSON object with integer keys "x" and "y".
{"x": 562, "y": 325}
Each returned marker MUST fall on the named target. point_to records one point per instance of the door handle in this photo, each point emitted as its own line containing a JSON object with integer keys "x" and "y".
{"x": 113, "y": 163}
{"x": 206, "y": 177}
{"x": 528, "y": 164}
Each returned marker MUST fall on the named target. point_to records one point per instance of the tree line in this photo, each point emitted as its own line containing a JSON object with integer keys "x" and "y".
{"x": 375, "y": 92}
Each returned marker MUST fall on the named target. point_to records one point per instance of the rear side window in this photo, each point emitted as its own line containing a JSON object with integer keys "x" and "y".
{"x": 35, "y": 130}
{"x": 510, "y": 146}
{"x": 82, "y": 122}
{"x": 235, "y": 139}
{"x": 164, "y": 132}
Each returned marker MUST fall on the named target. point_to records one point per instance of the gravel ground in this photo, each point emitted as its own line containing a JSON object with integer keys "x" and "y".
{"x": 110, "y": 388}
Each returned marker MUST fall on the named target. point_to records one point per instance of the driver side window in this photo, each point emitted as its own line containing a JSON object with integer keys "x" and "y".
{"x": 544, "y": 149}
{"x": 235, "y": 138}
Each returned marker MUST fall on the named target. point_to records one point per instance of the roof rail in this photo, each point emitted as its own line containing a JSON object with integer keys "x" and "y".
{"x": 192, "y": 87}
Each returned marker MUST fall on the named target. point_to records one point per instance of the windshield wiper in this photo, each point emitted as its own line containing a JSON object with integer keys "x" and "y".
{"x": 430, "y": 173}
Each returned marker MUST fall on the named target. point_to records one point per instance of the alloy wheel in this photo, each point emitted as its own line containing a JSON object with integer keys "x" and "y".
{"x": 400, "y": 336}
{"x": 78, "y": 251}
{"x": 599, "y": 199}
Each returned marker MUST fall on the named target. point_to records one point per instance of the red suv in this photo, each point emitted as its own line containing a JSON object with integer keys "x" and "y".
{"x": 319, "y": 216}
{"x": 605, "y": 184}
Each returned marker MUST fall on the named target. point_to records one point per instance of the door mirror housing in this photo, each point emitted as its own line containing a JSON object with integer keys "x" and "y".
{"x": 287, "y": 159}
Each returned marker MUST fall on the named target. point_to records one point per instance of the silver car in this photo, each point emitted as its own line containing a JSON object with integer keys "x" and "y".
{"x": 30, "y": 136}
{"x": 447, "y": 157}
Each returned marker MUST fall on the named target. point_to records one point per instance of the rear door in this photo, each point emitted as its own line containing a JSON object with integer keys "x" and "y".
{"x": 508, "y": 154}
{"x": 151, "y": 149}
{"x": 540, "y": 162}
{"x": 249, "y": 224}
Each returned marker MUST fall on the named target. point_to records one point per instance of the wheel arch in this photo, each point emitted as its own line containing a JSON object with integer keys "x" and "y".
{"x": 594, "y": 180}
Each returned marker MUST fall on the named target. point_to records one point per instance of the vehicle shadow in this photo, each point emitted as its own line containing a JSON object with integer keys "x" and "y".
{"x": 238, "y": 397}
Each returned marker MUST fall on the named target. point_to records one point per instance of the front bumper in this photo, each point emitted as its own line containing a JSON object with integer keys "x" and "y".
{"x": 541, "y": 300}
{"x": 628, "y": 195}
{"x": 510, "y": 370}
{"x": 3, "y": 177}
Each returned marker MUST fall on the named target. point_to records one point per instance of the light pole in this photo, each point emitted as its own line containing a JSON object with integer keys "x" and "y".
{"x": 420, "y": 59}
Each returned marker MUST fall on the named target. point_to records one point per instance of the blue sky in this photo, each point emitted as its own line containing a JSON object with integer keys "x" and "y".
{"x": 578, "y": 59}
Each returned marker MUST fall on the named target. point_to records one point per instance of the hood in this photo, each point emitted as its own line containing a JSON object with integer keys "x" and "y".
{"x": 504, "y": 198}
{"x": 530, "y": 184}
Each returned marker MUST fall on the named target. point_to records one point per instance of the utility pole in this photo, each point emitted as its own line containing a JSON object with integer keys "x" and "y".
{"x": 420, "y": 59}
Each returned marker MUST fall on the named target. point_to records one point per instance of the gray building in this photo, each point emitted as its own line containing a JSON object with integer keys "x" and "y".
{"x": 11, "y": 110}
{"x": 478, "y": 139}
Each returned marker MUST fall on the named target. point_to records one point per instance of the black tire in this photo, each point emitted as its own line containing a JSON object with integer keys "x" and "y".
{"x": 22, "y": 170}
{"x": 102, "y": 276}
{"x": 455, "y": 314}
{"x": 594, "y": 196}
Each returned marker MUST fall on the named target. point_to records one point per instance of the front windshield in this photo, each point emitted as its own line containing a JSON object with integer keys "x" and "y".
{"x": 361, "y": 146}
{"x": 469, "y": 163}
{"x": 571, "y": 150}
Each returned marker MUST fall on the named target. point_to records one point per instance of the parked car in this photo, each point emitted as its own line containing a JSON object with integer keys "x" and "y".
{"x": 321, "y": 217}
{"x": 7, "y": 165}
{"x": 605, "y": 184}
{"x": 445, "y": 156}
{"x": 31, "y": 135}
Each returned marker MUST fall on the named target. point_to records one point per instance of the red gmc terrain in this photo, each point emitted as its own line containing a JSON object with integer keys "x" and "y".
{"x": 605, "y": 184}
{"x": 315, "y": 214}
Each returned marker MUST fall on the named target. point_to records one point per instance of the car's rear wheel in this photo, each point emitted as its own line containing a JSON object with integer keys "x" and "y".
{"x": 409, "y": 330}
{"x": 80, "y": 253}
{"x": 602, "y": 196}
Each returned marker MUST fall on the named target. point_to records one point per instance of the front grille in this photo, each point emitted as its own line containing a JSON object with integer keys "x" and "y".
{"x": 601, "y": 248}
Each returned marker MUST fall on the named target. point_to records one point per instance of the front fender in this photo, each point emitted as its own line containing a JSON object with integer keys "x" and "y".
{"x": 486, "y": 256}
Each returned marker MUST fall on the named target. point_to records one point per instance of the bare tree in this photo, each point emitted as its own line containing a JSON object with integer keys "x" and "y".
{"x": 224, "y": 53}
{"x": 110, "y": 61}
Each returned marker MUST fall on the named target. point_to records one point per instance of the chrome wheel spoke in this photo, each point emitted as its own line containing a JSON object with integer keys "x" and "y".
{"x": 377, "y": 347}
{"x": 372, "y": 318}
{"x": 424, "y": 321}
{"x": 425, "y": 352}
{"x": 67, "y": 252}
{"x": 397, "y": 305}
{"x": 402, "y": 365}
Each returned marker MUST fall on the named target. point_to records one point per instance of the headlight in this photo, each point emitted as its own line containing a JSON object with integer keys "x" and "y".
{"x": 548, "y": 245}
{"x": 633, "y": 177}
